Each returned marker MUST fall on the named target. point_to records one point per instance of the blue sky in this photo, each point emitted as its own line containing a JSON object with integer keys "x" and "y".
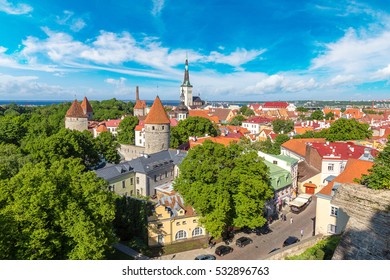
{"x": 237, "y": 50}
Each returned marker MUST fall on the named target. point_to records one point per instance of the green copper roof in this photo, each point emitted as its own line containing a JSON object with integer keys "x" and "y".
{"x": 290, "y": 160}
{"x": 280, "y": 178}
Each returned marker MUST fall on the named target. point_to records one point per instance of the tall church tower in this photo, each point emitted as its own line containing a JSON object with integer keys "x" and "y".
{"x": 182, "y": 109}
{"x": 186, "y": 87}
{"x": 157, "y": 129}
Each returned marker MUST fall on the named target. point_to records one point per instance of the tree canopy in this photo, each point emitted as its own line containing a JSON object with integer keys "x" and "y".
{"x": 126, "y": 133}
{"x": 246, "y": 111}
{"x": 226, "y": 186}
{"x": 282, "y": 126}
{"x": 59, "y": 212}
{"x": 237, "y": 120}
{"x": 379, "y": 176}
{"x": 106, "y": 145}
{"x": 110, "y": 109}
{"x": 348, "y": 129}
{"x": 192, "y": 126}
{"x": 317, "y": 115}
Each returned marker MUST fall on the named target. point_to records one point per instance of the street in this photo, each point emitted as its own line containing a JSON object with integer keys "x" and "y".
{"x": 262, "y": 244}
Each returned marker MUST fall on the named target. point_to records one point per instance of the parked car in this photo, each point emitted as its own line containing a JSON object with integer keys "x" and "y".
{"x": 223, "y": 250}
{"x": 227, "y": 237}
{"x": 263, "y": 230}
{"x": 205, "y": 257}
{"x": 243, "y": 241}
{"x": 290, "y": 240}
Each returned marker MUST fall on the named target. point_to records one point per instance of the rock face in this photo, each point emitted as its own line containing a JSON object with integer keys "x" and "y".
{"x": 367, "y": 234}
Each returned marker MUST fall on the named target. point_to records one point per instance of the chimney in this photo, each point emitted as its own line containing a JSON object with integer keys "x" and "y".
{"x": 136, "y": 93}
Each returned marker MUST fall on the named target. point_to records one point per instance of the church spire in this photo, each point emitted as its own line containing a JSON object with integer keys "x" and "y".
{"x": 186, "y": 81}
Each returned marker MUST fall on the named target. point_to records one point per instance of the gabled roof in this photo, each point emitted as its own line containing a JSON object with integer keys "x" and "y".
{"x": 354, "y": 169}
{"x": 257, "y": 120}
{"x": 282, "y": 105}
{"x": 224, "y": 140}
{"x": 221, "y": 113}
{"x": 298, "y": 146}
{"x": 101, "y": 128}
{"x": 204, "y": 114}
{"x": 157, "y": 114}
{"x": 342, "y": 150}
{"x": 113, "y": 123}
{"x": 86, "y": 105}
{"x": 75, "y": 110}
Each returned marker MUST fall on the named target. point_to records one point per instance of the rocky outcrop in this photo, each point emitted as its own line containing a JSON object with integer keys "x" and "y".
{"x": 367, "y": 234}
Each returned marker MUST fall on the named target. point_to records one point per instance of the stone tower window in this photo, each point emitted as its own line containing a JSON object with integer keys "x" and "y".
{"x": 152, "y": 127}
{"x": 162, "y": 128}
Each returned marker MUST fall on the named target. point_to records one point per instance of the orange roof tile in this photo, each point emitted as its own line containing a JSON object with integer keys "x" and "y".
{"x": 157, "y": 114}
{"x": 203, "y": 114}
{"x": 86, "y": 105}
{"x": 75, "y": 110}
{"x": 302, "y": 130}
{"x": 140, "y": 104}
{"x": 101, "y": 128}
{"x": 298, "y": 146}
{"x": 224, "y": 140}
{"x": 355, "y": 168}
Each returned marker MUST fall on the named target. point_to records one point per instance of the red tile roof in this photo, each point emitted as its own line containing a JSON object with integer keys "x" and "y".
{"x": 341, "y": 150}
{"x": 140, "y": 104}
{"x": 224, "y": 140}
{"x": 354, "y": 169}
{"x": 75, "y": 110}
{"x": 101, "y": 128}
{"x": 258, "y": 120}
{"x": 298, "y": 146}
{"x": 113, "y": 123}
{"x": 282, "y": 105}
{"x": 157, "y": 114}
{"x": 86, "y": 105}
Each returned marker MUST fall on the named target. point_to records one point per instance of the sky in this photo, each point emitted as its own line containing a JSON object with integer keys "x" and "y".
{"x": 248, "y": 50}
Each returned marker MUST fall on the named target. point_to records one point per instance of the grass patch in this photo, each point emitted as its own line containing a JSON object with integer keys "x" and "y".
{"x": 323, "y": 250}
{"x": 178, "y": 247}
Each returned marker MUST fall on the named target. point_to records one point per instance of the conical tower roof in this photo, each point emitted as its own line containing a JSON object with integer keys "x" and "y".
{"x": 75, "y": 110}
{"x": 186, "y": 81}
{"x": 157, "y": 114}
{"x": 86, "y": 105}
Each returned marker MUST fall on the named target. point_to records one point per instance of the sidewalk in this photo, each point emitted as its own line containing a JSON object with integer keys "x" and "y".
{"x": 128, "y": 251}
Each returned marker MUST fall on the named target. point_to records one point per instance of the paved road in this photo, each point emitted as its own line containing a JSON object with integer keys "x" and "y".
{"x": 263, "y": 244}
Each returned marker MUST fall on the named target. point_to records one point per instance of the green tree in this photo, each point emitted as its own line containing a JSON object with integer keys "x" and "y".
{"x": 126, "y": 133}
{"x": 106, "y": 145}
{"x": 379, "y": 176}
{"x": 192, "y": 126}
{"x": 282, "y": 126}
{"x": 226, "y": 186}
{"x": 237, "y": 120}
{"x": 246, "y": 111}
{"x": 329, "y": 116}
{"x": 11, "y": 160}
{"x": 12, "y": 128}
{"x": 59, "y": 212}
{"x": 64, "y": 144}
{"x": 348, "y": 129}
{"x": 317, "y": 115}
{"x": 302, "y": 109}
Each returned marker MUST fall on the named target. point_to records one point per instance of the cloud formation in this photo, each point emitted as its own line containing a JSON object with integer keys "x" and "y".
{"x": 158, "y": 5}
{"x": 14, "y": 9}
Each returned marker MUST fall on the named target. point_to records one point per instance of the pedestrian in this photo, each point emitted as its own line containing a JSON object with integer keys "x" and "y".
{"x": 285, "y": 217}
{"x": 301, "y": 233}
{"x": 291, "y": 220}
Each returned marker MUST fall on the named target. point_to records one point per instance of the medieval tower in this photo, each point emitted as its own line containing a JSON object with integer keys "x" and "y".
{"x": 75, "y": 117}
{"x": 182, "y": 109}
{"x": 157, "y": 129}
{"x": 87, "y": 108}
{"x": 186, "y": 87}
{"x": 140, "y": 105}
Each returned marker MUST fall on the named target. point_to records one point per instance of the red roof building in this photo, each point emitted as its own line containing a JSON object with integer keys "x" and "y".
{"x": 275, "y": 105}
{"x": 157, "y": 114}
{"x": 75, "y": 110}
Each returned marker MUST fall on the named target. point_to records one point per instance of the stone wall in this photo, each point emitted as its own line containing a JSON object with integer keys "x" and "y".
{"x": 367, "y": 234}
{"x": 295, "y": 249}
{"x": 129, "y": 152}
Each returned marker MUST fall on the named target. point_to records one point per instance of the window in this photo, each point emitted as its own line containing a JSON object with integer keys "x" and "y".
{"x": 160, "y": 176}
{"x": 178, "y": 223}
{"x": 131, "y": 181}
{"x": 334, "y": 211}
{"x": 162, "y": 128}
{"x": 181, "y": 234}
{"x": 330, "y": 167}
{"x": 140, "y": 141}
{"x": 332, "y": 228}
{"x": 137, "y": 180}
{"x": 166, "y": 174}
{"x": 275, "y": 162}
{"x": 152, "y": 127}
{"x": 197, "y": 231}
{"x": 155, "y": 178}
{"x": 160, "y": 226}
{"x": 123, "y": 184}
{"x": 184, "y": 222}
{"x": 195, "y": 221}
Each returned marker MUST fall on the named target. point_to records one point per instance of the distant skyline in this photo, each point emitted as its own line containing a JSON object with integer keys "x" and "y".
{"x": 237, "y": 50}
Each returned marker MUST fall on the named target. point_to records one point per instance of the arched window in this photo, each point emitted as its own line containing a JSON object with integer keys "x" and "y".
{"x": 181, "y": 234}
{"x": 197, "y": 231}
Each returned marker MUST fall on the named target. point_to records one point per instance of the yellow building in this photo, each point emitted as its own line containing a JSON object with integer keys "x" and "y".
{"x": 171, "y": 221}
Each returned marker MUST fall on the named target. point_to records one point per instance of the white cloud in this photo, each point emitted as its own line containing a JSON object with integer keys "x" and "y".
{"x": 120, "y": 86}
{"x": 68, "y": 19}
{"x": 237, "y": 58}
{"x": 28, "y": 87}
{"x": 158, "y": 5}
{"x": 383, "y": 73}
{"x": 14, "y": 9}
